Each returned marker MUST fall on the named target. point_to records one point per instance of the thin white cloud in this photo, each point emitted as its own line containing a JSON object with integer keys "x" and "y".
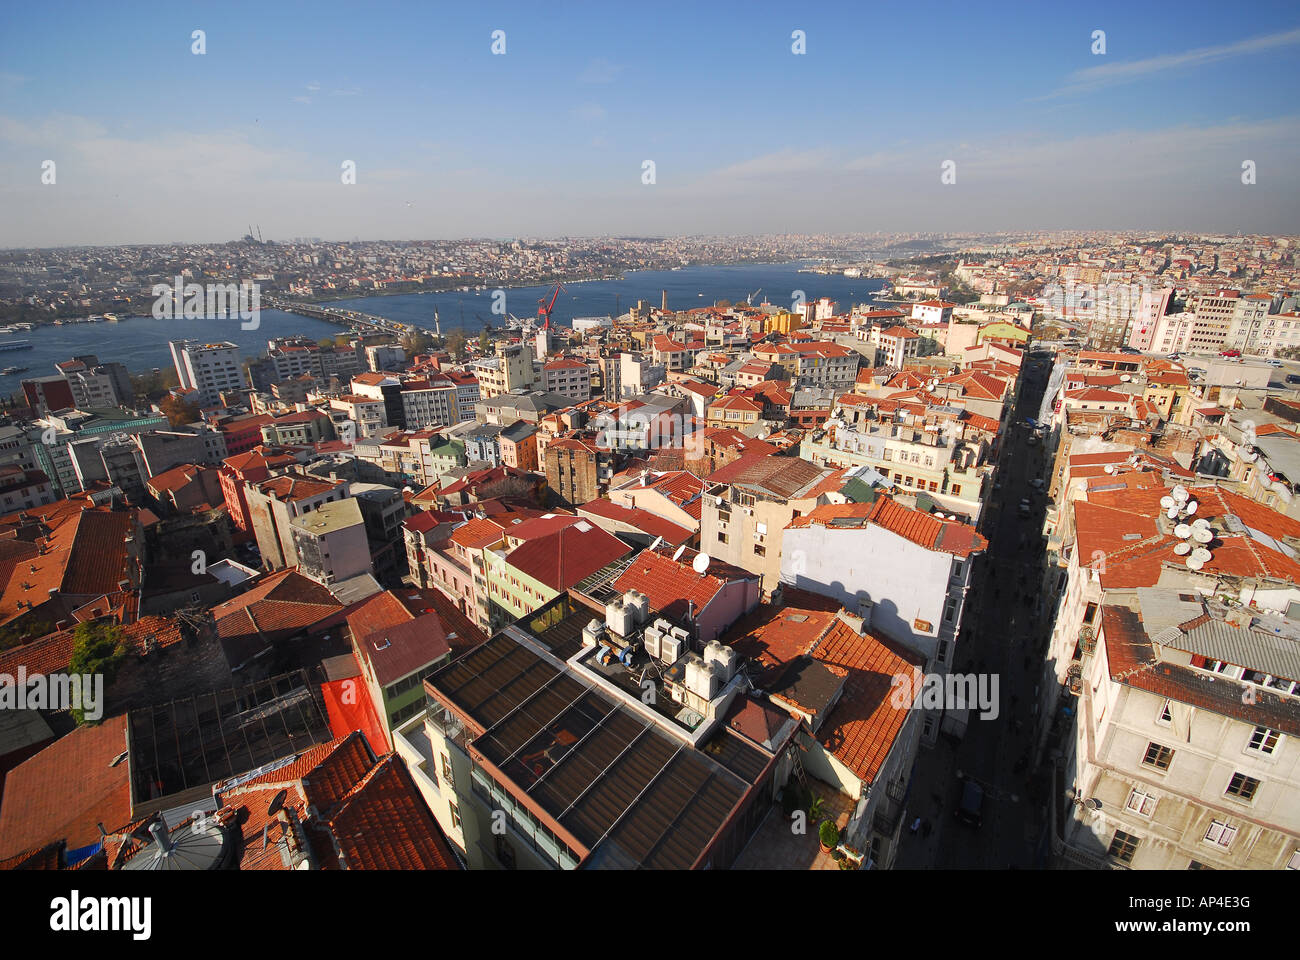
{"x": 1111, "y": 73}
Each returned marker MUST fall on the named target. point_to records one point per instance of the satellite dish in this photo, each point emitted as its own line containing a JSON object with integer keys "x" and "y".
{"x": 1166, "y": 502}
{"x": 1194, "y": 564}
{"x": 1202, "y": 534}
{"x": 1180, "y": 493}
{"x": 655, "y": 545}
{"x": 680, "y": 551}
{"x": 1201, "y": 554}
{"x": 1251, "y": 456}
{"x": 1172, "y": 513}
{"x": 1182, "y": 549}
{"x": 1110, "y": 468}
{"x": 701, "y": 563}
{"x": 1182, "y": 531}
{"x": 1191, "y": 507}
{"x": 1200, "y": 523}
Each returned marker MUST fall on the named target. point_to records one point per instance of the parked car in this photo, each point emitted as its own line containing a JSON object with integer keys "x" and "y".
{"x": 1038, "y": 483}
{"x": 1230, "y": 353}
{"x": 1293, "y": 378}
{"x": 971, "y": 808}
{"x": 1274, "y": 362}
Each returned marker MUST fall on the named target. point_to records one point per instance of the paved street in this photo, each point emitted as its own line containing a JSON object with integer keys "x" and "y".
{"x": 1001, "y": 637}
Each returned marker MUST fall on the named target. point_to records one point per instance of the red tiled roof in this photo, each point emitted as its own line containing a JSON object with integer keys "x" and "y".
{"x": 64, "y": 791}
{"x": 673, "y": 585}
{"x": 570, "y": 554}
{"x": 648, "y": 523}
{"x": 864, "y": 724}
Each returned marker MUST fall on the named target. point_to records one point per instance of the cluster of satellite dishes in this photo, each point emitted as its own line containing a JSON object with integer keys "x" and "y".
{"x": 700, "y": 564}
{"x": 1192, "y": 534}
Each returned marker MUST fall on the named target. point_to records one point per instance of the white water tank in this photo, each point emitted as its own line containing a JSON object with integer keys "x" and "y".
{"x": 715, "y": 656}
{"x": 618, "y": 618}
{"x": 651, "y": 638}
{"x": 639, "y": 604}
{"x": 701, "y": 680}
{"x": 591, "y": 633}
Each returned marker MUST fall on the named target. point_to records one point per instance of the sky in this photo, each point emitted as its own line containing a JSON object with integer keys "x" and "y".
{"x": 153, "y": 143}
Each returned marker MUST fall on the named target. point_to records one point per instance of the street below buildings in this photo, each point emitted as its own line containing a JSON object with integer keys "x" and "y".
{"x": 1001, "y": 636}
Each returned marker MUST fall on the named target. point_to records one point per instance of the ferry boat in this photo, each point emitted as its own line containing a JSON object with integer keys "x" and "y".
{"x": 9, "y": 371}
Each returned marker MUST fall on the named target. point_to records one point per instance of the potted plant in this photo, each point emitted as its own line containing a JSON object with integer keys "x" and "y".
{"x": 815, "y": 811}
{"x": 829, "y": 834}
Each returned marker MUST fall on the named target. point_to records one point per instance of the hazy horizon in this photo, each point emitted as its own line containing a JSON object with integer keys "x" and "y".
{"x": 155, "y": 144}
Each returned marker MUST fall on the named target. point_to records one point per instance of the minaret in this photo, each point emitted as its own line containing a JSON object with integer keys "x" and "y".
{"x": 663, "y": 301}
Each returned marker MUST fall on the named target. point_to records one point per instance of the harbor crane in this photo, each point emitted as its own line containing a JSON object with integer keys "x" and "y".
{"x": 750, "y": 299}
{"x": 544, "y": 309}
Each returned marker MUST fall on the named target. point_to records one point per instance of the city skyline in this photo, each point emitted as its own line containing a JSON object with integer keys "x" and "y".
{"x": 550, "y": 138}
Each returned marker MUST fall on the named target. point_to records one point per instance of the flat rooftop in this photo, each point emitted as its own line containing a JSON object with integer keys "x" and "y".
{"x": 628, "y": 792}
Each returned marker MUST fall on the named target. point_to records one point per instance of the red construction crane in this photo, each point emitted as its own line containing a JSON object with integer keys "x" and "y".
{"x": 544, "y": 309}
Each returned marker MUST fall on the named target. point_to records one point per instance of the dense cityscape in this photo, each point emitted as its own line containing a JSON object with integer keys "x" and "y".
{"x": 755, "y": 507}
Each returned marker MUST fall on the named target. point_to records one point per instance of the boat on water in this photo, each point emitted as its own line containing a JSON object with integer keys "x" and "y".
{"x": 7, "y": 345}
{"x": 9, "y": 371}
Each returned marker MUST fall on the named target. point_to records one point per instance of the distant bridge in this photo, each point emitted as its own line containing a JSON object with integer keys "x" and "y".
{"x": 346, "y": 318}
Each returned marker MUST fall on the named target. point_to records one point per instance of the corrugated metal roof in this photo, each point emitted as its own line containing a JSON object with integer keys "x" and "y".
{"x": 1254, "y": 649}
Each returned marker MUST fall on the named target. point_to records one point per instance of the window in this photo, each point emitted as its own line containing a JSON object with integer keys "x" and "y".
{"x": 1220, "y": 833}
{"x": 1141, "y": 803}
{"x": 956, "y": 489}
{"x": 1090, "y": 613}
{"x": 1123, "y": 846}
{"x": 722, "y": 538}
{"x": 1263, "y": 740}
{"x": 760, "y": 550}
{"x": 949, "y": 610}
{"x": 1242, "y": 786}
{"x": 455, "y": 815}
{"x": 1197, "y": 865}
{"x": 1165, "y": 717}
{"x": 1158, "y": 756}
{"x": 1294, "y": 862}
{"x": 446, "y": 769}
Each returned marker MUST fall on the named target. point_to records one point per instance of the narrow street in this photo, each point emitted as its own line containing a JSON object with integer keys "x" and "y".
{"x": 1000, "y": 636}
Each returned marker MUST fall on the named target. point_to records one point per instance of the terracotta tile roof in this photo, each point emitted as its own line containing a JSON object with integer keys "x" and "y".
{"x": 864, "y": 725}
{"x": 780, "y": 476}
{"x": 673, "y": 586}
{"x": 279, "y": 606}
{"x": 563, "y": 558}
{"x": 773, "y": 636}
{"x": 398, "y": 651}
{"x": 477, "y": 533}
{"x": 382, "y": 823}
{"x": 648, "y": 523}
{"x": 64, "y": 791}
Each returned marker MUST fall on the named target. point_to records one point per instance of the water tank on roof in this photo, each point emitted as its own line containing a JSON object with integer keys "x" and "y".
{"x": 619, "y": 618}
{"x": 591, "y": 633}
{"x": 639, "y": 604}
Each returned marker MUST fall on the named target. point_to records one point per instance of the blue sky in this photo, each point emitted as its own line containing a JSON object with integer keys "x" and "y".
{"x": 153, "y": 143}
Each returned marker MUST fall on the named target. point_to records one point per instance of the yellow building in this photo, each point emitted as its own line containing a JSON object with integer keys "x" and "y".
{"x": 782, "y": 322}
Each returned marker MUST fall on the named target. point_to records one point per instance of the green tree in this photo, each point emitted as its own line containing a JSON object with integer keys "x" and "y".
{"x": 97, "y": 648}
{"x": 456, "y": 345}
{"x": 484, "y": 341}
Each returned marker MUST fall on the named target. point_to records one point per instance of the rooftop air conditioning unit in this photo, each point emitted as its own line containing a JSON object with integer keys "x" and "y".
{"x": 671, "y": 648}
